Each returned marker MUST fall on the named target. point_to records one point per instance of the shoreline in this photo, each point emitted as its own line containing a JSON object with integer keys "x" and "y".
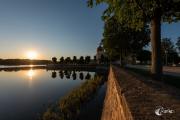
{"x": 93, "y": 67}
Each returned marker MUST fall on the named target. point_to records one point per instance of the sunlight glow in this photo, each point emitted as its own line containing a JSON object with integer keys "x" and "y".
{"x": 32, "y": 55}
{"x": 30, "y": 74}
{"x": 31, "y": 66}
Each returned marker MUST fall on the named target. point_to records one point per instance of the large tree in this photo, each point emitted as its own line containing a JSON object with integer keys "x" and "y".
{"x": 81, "y": 60}
{"x": 68, "y": 60}
{"x": 61, "y": 60}
{"x": 54, "y": 59}
{"x": 87, "y": 59}
{"x": 136, "y": 13}
{"x": 74, "y": 59}
{"x": 121, "y": 41}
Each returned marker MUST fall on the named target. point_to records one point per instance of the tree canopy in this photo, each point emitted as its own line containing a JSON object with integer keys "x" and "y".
{"x": 169, "y": 52}
{"x": 136, "y": 13}
{"x": 87, "y": 59}
{"x": 74, "y": 59}
{"x": 54, "y": 59}
{"x": 167, "y": 45}
{"x": 61, "y": 60}
{"x": 118, "y": 39}
{"x": 144, "y": 56}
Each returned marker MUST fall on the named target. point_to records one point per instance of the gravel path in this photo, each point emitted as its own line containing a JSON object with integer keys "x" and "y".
{"x": 169, "y": 70}
{"x": 145, "y": 95}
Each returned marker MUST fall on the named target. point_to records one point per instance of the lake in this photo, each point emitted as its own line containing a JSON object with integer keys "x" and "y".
{"x": 25, "y": 94}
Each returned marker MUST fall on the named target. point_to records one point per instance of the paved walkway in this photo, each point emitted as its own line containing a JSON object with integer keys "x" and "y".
{"x": 175, "y": 71}
{"x": 144, "y": 96}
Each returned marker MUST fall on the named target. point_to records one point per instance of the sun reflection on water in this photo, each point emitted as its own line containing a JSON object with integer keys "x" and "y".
{"x": 31, "y": 74}
{"x": 31, "y": 66}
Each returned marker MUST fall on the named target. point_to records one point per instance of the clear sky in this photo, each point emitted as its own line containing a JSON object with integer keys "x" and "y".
{"x": 54, "y": 28}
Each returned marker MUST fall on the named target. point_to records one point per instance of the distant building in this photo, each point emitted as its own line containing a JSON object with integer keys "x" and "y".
{"x": 99, "y": 53}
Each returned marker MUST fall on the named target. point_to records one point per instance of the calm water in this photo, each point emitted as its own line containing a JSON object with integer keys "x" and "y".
{"x": 26, "y": 93}
{"x": 11, "y": 66}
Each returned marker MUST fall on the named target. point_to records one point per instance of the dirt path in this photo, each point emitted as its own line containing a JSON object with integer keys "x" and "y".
{"x": 144, "y": 96}
{"x": 169, "y": 70}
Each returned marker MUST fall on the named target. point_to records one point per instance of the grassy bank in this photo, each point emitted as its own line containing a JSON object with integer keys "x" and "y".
{"x": 168, "y": 79}
{"x": 69, "y": 107}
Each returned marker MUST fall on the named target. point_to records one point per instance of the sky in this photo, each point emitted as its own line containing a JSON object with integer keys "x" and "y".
{"x": 54, "y": 28}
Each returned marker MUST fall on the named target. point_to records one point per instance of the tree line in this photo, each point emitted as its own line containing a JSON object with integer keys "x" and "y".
{"x": 75, "y": 60}
{"x": 132, "y": 18}
{"x": 23, "y": 62}
{"x": 81, "y": 60}
{"x": 170, "y": 52}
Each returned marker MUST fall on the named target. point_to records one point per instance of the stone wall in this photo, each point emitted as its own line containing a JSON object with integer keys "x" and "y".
{"x": 131, "y": 96}
{"x": 115, "y": 105}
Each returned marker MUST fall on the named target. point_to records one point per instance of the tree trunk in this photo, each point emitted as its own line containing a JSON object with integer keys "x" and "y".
{"x": 156, "y": 64}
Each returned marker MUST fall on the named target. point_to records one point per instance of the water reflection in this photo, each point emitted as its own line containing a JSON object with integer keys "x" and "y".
{"x": 81, "y": 76}
{"x": 31, "y": 66}
{"x": 71, "y": 75}
{"x": 53, "y": 74}
{"x": 74, "y": 75}
{"x": 28, "y": 91}
{"x": 31, "y": 74}
{"x": 68, "y": 74}
{"x": 61, "y": 74}
{"x": 88, "y": 76}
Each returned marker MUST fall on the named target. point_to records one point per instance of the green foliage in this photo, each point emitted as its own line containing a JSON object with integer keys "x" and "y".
{"x": 168, "y": 51}
{"x": 61, "y": 60}
{"x": 74, "y": 59}
{"x": 54, "y": 59}
{"x": 167, "y": 45}
{"x": 68, "y": 60}
{"x": 136, "y": 13}
{"x": 69, "y": 107}
{"x": 118, "y": 39}
{"x": 81, "y": 60}
{"x": 87, "y": 59}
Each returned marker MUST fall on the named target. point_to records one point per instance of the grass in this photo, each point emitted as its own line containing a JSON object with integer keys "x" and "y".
{"x": 69, "y": 107}
{"x": 167, "y": 79}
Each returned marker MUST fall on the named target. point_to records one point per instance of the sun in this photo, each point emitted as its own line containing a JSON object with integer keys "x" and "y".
{"x": 31, "y": 55}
